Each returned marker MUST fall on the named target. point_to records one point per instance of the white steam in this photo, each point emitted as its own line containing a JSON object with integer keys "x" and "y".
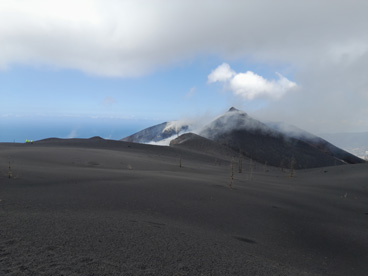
{"x": 193, "y": 124}
{"x": 164, "y": 142}
{"x": 249, "y": 85}
{"x": 72, "y": 134}
{"x": 176, "y": 126}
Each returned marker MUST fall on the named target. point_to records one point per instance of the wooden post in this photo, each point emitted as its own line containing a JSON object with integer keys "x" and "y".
{"x": 10, "y": 174}
{"x": 232, "y": 174}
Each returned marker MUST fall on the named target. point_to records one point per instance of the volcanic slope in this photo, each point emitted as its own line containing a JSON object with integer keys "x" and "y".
{"x": 318, "y": 142}
{"x": 102, "y": 207}
{"x": 199, "y": 144}
{"x": 157, "y": 133}
{"x": 264, "y": 144}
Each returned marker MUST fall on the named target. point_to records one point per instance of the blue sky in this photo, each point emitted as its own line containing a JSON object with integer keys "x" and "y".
{"x": 67, "y": 66}
{"x": 167, "y": 93}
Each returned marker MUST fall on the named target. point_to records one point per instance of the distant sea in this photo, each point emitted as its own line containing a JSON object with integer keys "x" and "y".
{"x": 20, "y": 129}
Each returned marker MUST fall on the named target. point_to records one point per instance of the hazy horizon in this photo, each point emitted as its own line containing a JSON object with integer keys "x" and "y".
{"x": 22, "y": 128}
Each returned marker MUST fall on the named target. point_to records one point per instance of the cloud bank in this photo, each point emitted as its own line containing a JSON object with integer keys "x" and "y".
{"x": 250, "y": 85}
{"x": 126, "y": 38}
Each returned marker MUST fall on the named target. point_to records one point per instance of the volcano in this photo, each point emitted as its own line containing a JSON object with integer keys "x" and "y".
{"x": 265, "y": 143}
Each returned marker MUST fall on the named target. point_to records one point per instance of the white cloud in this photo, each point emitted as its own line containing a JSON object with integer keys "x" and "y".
{"x": 221, "y": 73}
{"x": 250, "y": 85}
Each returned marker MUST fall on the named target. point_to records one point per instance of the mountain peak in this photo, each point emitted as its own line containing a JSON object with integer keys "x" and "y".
{"x": 233, "y": 109}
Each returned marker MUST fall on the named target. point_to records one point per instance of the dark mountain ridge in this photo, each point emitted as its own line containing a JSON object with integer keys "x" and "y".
{"x": 264, "y": 144}
{"x": 242, "y": 134}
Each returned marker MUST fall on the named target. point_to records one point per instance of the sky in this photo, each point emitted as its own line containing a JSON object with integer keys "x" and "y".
{"x": 109, "y": 68}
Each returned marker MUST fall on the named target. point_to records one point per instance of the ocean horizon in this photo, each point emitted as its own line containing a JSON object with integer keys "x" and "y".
{"x": 18, "y": 130}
